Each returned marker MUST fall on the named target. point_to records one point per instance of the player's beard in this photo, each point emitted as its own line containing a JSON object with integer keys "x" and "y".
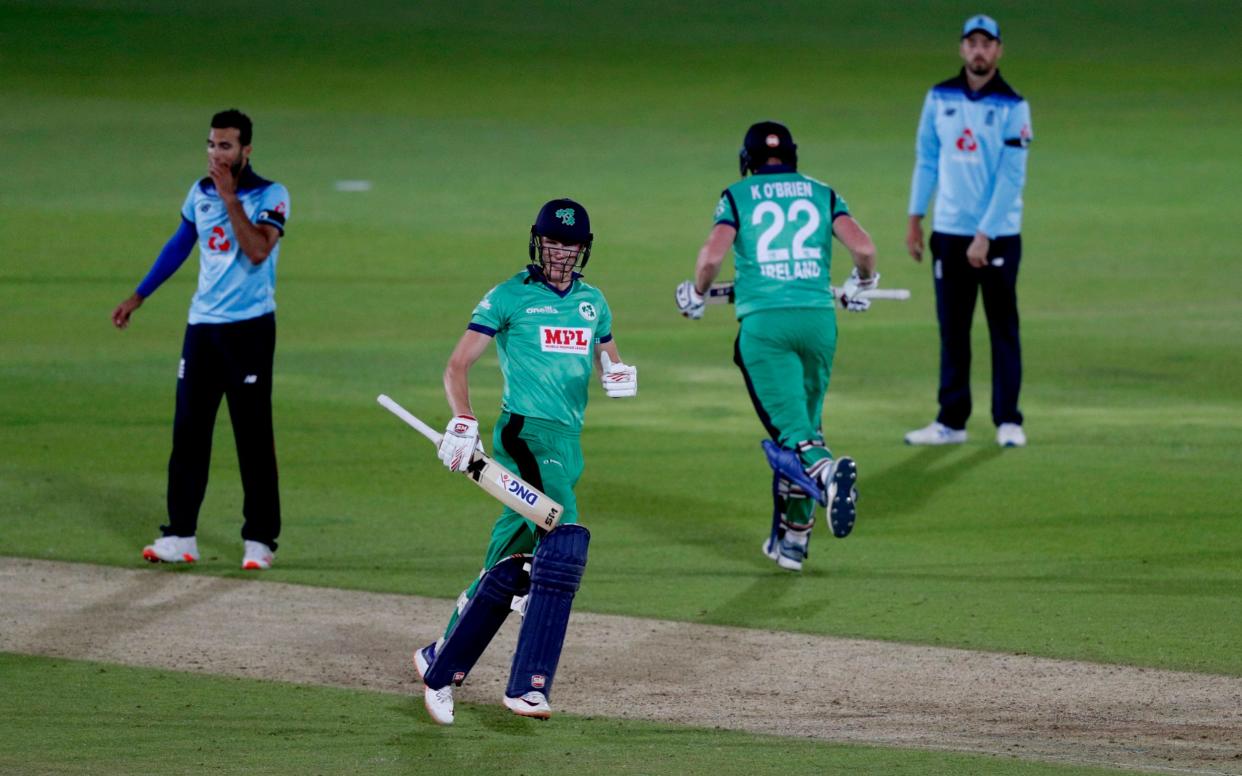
{"x": 237, "y": 167}
{"x": 981, "y": 67}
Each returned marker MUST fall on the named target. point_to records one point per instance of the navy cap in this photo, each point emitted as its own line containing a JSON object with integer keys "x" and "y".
{"x": 981, "y": 23}
{"x": 564, "y": 221}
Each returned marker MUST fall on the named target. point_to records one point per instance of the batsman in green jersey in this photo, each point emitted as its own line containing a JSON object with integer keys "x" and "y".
{"x": 780, "y": 225}
{"x": 550, "y": 328}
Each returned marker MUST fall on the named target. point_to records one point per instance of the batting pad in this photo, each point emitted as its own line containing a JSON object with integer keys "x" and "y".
{"x": 554, "y": 578}
{"x": 478, "y": 623}
{"x": 788, "y": 464}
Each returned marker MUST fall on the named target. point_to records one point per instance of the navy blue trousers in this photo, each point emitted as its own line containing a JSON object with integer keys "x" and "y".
{"x": 957, "y": 288}
{"x": 233, "y": 361}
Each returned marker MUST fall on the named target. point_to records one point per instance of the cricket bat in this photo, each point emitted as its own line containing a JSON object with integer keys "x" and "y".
{"x": 500, "y": 483}
{"x": 722, "y": 293}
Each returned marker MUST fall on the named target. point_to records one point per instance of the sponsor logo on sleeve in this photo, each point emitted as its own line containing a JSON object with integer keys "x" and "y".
{"x": 564, "y": 339}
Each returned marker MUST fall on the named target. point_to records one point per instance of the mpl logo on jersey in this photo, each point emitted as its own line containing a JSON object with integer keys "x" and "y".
{"x": 515, "y": 487}
{"x": 564, "y": 339}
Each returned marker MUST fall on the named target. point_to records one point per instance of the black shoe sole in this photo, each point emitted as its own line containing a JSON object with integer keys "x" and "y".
{"x": 842, "y": 511}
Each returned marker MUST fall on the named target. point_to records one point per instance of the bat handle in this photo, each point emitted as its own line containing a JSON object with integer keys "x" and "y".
{"x": 410, "y": 420}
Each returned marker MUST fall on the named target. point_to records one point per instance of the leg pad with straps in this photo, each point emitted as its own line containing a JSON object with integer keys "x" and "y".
{"x": 555, "y": 575}
{"x": 478, "y": 622}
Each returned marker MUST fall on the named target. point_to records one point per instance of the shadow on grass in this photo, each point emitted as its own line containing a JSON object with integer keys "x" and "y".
{"x": 906, "y": 487}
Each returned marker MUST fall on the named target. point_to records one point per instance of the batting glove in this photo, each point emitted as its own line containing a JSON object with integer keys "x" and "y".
{"x": 689, "y": 301}
{"x": 620, "y": 380}
{"x": 461, "y": 437}
{"x": 852, "y": 292}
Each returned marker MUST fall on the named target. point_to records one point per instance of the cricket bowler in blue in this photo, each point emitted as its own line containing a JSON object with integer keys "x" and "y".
{"x": 237, "y": 219}
{"x": 971, "y": 150}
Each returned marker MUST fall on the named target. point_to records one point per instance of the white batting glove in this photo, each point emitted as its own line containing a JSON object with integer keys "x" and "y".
{"x": 461, "y": 437}
{"x": 851, "y": 291}
{"x": 620, "y": 380}
{"x": 689, "y": 301}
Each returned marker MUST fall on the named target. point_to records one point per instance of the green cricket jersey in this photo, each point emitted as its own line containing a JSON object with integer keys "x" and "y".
{"x": 783, "y": 249}
{"x": 546, "y": 340}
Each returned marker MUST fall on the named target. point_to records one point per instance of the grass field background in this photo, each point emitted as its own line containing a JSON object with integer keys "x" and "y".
{"x": 1114, "y": 537}
{"x": 123, "y": 720}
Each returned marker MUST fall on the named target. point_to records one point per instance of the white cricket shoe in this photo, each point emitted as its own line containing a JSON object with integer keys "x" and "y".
{"x": 936, "y": 434}
{"x": 786, "y": 554}
{"x": 1010, "y": 435}
{"x": 257, "y": 556}
{"x": 439, "y": 703}
{"x": 423, "y": 658}
{"x": 172, "y": 549}
{"x": 532, "y": 704}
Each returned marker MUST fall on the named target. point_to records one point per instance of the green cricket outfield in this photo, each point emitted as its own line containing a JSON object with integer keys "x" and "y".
{"x": 1113, "y": 538}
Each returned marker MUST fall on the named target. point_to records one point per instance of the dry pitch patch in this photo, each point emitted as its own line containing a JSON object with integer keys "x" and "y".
{"x": 845, "y": 690}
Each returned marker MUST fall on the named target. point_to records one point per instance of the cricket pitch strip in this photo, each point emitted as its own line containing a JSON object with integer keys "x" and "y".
{"x": 820, "y": 687}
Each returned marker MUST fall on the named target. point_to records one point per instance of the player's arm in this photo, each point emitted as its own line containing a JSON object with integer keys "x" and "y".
{"x": 1010, "y": 178}
{"x": 689, "y": 297}
{"x": 858, "y": 243}
{"x": 923, "y": 182}
{"x": 173, "y": 255}
{"x": 255, "y": 240}
{"x": 712, "y": 256}
{"x": 457, "y": 373}
{"x": 862, "y": 250}
{"x": 461, "y": 436}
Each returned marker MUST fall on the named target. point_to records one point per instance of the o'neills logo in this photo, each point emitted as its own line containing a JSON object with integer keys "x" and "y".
{"x": 564, "y": 339}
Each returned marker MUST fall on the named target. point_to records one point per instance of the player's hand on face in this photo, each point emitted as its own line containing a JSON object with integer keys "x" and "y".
{"x": 620, "y": 380}
{"x": 461, "y": 437}
{"x": 222, "y": 175}
{"x": 977, "y": 253}
{"x": 851, "y": 291}
{"x": 689, "y": 300}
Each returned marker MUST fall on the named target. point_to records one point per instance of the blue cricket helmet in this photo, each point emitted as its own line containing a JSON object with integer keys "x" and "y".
{"x": 763, "y": 140}
{"x": 565, "y": 221}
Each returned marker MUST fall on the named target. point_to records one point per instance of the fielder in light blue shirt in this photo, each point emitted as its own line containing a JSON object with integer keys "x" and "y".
{"x": 971, "y": 151}
{"x": 237, "y": 219}
{"x": 231, "y": 285}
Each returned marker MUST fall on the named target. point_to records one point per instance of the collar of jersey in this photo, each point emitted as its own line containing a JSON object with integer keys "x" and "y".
{"x": 995, "y": 85}
{"x": 249, "y": 181}
{"x": 774, "y": 169}
{"x": 536, "y": 274}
